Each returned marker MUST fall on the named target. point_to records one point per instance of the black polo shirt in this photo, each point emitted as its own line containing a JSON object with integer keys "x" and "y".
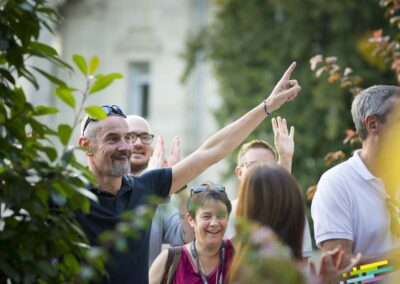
{"x": 132, "y": 266}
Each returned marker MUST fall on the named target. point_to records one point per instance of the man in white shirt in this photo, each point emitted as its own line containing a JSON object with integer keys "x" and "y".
{"x": 349, "y": 208}
{"x": 260, "y": 151}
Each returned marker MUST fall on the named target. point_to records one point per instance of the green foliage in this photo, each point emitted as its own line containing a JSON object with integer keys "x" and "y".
{"x": 81, "y": 63}
{"x": 382, "y": 52}
{"x": 41, "y": 187}
{"x": 251, "y": 43}
{"x": 103, "y": 81}
{"x": 262, "y": 258}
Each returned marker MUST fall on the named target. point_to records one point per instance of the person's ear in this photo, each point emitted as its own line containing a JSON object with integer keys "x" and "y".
{"x": 84, "y": 142}
{"x": 190, "y": 219}
{"x": 372, "y": 124}
{"x": 238, "y": 172}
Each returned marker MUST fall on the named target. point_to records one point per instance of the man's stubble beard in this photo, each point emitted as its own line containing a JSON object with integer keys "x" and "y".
{"x": 120, "y": 170}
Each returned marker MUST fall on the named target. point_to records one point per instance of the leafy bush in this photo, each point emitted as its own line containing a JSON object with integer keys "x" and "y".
{"x": 39, "y": 242}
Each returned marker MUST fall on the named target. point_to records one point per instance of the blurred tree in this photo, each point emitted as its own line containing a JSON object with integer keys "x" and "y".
{"x": 250, "y": 43}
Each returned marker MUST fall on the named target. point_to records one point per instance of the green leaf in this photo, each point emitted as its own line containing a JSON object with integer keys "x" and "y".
{"x": 64, "y": 133}
{"x": 45, "y": 110}
{"x": 7, "y": 75}
{"x": 66, "y": 158}
{"x": 58, "y": 198}
{"x": 51, "y": 78}
{"x": 42, "y": 194}
{"x": 61, "y": 63}
{"x": 28, "y": 75}
{"x": 65, "y": 94}
{"x": 94, "y": 63}
{"x": 71, "y": 262}
{"x": 43, "y": 48}
{"x": 86, "y": 193}
{"x": 96, "y": 112}
{"x": 51, "y": 153}
{"x": 103, "y": 81}
{"x": 121, "y": 245}
{"x": 81, "y": 63}
{"x": 7, "y": 269}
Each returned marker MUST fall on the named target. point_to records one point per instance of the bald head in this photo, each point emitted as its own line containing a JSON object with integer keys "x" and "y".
{"x": 137, "y": 124}
{"x": 141, "y": 152}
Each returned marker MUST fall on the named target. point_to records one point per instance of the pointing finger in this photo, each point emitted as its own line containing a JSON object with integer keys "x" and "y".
{"x": 288, "y": 72}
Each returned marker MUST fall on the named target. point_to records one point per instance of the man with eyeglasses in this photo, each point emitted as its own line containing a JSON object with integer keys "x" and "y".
{"x": 169, "y": 224}
{"x": 259, "y": 151}
{"x": 108, "y": 148}
{"x": 141, "y": 139}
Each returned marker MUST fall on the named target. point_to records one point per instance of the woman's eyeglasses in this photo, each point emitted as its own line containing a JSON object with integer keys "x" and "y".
{"x": 200, "y": 188}
{"x": 112, "y": 109}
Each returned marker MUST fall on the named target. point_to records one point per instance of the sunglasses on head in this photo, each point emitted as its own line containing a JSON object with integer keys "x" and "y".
{"x": 112, "y": 109}
{"x": 200, "y": 188}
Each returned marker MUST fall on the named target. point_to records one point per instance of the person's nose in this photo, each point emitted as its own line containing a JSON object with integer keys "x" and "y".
{"x": 137, "y": 142}
{"x": 214, "y": 221}
{"x": 125, "y": 145}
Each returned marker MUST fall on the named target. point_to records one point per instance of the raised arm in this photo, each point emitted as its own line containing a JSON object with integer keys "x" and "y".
{"x": 158, "y": 160}
{"x": 284, "y": 142}
{"x": 227, "y": 139}
{"x": 182, "y": 195}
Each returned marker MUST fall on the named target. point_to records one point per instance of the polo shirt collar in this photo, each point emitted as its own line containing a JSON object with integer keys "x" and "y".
{"x": 362, "y": 169}
{"x": 125, "y": 187}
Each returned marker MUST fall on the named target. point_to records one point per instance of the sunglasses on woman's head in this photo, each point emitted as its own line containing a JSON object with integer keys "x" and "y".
{"x": 112, "y": 109}
{"x": 200, "y": 188}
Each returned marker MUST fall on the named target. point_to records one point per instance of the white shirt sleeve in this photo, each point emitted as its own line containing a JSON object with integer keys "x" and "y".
{"x": 307, "y": 245}
{"x": 230, "y": 230}
{"x": 331, "y": 210}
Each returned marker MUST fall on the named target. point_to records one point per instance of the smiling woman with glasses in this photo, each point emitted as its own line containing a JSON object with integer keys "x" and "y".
{"x": 109, "y": 110}
{"x": 207, "y": 259}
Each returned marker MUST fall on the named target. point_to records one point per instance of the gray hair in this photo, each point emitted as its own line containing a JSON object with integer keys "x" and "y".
{"x": 91, "y": 128}
{"x": 372, "y": 101}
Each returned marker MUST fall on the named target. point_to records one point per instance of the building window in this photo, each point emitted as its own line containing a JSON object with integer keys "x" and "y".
{"x": 139, "y": 89}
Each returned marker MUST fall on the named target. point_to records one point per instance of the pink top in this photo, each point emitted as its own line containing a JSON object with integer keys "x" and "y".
{"x": 187, "y": 272}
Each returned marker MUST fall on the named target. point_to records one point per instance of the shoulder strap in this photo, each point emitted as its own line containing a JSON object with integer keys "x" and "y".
{"x": 171, "y": 255}
{"x": 175, "y": 262}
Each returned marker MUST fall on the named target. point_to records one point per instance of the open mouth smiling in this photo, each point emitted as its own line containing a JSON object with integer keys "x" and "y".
{"x": 214, "y": 232}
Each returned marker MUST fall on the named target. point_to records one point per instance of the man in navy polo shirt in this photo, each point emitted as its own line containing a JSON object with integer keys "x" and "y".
{"x": 108, "y": 147}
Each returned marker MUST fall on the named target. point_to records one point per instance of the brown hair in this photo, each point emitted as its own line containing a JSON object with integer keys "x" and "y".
{"x": 198, "y": 200}
{"x": 254, "y": 144}
{"x": 270, "y": 196}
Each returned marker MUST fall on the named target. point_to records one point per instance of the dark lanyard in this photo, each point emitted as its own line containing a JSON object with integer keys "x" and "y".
{"x": 221, "y": 264}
